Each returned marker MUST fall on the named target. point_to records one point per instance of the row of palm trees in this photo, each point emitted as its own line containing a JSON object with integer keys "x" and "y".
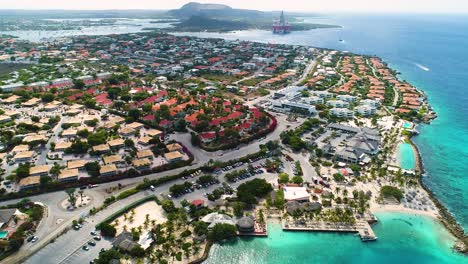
{"x": 172, "y": 240}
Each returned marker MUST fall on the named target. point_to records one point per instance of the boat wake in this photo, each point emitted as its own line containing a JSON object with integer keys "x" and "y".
{"x": 422, "y": 67}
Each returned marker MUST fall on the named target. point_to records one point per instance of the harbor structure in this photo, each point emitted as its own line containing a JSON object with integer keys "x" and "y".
{"x": 281, "y": 26}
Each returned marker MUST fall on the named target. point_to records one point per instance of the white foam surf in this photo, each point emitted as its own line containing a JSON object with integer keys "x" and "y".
{"x": 422, "y": 67}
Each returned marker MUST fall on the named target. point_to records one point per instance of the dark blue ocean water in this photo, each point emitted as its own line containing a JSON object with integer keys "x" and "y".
{"x": 431, "y": 52}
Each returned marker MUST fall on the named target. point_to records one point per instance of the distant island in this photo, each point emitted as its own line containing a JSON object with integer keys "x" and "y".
{"x": 221, "y": 18}
{"x": 191, "y": 17}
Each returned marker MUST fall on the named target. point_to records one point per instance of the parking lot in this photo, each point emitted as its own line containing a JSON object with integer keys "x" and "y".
{"x": 80, "y": 254}
{"x": 220, "y": 184}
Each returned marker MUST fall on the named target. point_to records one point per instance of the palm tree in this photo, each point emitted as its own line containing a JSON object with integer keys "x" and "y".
{"x": 196, "y": 249}
{"x": 81, "y": 195}
{"x": 71, "y": 196}
{"x": 345, "y": 192}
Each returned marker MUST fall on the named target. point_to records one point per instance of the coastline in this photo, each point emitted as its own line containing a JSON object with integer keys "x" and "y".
{"x": 206, "y": 254}
{"x": 379, "y": 208}
{"x": 445, "y": 217}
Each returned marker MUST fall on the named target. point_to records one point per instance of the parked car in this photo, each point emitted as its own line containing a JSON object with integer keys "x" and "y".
{"x": 86, "y": 248}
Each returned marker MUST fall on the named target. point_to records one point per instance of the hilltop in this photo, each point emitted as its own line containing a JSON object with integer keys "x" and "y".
{"x": 212, "y": 11}
{"x": 216, "y": 17}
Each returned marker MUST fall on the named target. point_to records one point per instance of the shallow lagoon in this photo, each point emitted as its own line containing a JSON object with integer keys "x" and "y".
{"x": 403, "y": 238}
{"x": 406, "y": 156}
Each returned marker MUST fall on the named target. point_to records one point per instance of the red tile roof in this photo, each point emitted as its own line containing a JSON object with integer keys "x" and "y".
{"x": 208, "y": 135}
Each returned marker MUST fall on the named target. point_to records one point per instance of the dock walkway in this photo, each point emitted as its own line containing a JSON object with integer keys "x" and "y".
{"x": 361, "y": 227}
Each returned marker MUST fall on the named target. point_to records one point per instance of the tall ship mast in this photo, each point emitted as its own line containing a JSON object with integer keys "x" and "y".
{"x": 281, "y": 26}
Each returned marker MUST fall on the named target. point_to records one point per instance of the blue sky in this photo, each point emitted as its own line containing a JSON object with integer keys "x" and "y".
{"x": 407, "y": 6}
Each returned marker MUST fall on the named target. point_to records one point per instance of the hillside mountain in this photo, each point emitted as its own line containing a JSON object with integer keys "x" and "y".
{"x": 197, "y": 23}
{"x": 218, "y": 18}
{"x": 213, "y": 11}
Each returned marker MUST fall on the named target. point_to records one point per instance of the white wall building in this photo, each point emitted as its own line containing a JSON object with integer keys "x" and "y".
{"x": 370, "y": 102}
{"x": 295, "y": 106}
{"x": 338, "y": 104}
{"x": 341, "y": 112}
{"x": 365, "y": 110}
{"x": 11, "y": 87}
{"x": 347, "y": 98}
{"x": 323, "y": 94}
{"x": 313, "y": 100}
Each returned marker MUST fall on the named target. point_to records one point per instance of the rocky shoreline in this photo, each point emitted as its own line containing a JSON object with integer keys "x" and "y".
{"x": 446, "y": 218}
{"x": 206, "y": 254}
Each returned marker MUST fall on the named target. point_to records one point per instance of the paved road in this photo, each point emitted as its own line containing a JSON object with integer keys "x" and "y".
{"x": 58, "y": 219}
{"x": 307, "y": 70}
{"x": 395, "y": 91}
{"x": 308, "y": 170}
{"x": 68, "y": 247}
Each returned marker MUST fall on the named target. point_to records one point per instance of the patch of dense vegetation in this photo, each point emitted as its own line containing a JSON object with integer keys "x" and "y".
{"x": 391, "y": 191}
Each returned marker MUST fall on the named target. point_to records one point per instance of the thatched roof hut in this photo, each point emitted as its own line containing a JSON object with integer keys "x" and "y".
{"x": 246, "y": 224}
{"x": 293, "y": 207}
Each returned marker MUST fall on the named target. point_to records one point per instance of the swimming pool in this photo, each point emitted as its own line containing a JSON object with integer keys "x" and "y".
{"x": 407, "y": 125}
{"x": 3, "y": 234}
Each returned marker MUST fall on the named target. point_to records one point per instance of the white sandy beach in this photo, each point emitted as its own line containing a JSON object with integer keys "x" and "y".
{"x": 374, "y": 207}
{"x": 154, "y": 211}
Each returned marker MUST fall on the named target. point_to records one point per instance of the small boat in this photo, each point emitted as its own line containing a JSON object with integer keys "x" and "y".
{"x": 368, "y": 239}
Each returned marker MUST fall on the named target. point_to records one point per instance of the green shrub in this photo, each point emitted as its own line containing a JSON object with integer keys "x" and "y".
{"x": 107, "y": 230}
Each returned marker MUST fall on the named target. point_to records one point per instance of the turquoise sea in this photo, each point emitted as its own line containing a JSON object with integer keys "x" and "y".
{"x": 403, "y": 238}
{"x": 430, "y": 51}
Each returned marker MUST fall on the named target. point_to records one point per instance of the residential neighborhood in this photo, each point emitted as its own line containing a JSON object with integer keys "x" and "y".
{"x": 130, "y": 140}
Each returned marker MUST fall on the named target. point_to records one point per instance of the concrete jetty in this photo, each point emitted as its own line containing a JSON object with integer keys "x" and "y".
{"x": 362, "y": 227}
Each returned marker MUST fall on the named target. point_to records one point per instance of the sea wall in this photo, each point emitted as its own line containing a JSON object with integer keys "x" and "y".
{"x": 206, "y": 253}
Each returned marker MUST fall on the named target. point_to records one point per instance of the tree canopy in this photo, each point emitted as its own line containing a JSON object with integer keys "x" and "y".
{"x": 391, "y": 191}
{"x": 222, "y": 232}
{"x": 107, "y": 230}
{"x": 248, "y": 191}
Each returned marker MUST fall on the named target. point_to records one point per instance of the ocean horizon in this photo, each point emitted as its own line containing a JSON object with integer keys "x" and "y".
{"x": 429, "y": 52}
